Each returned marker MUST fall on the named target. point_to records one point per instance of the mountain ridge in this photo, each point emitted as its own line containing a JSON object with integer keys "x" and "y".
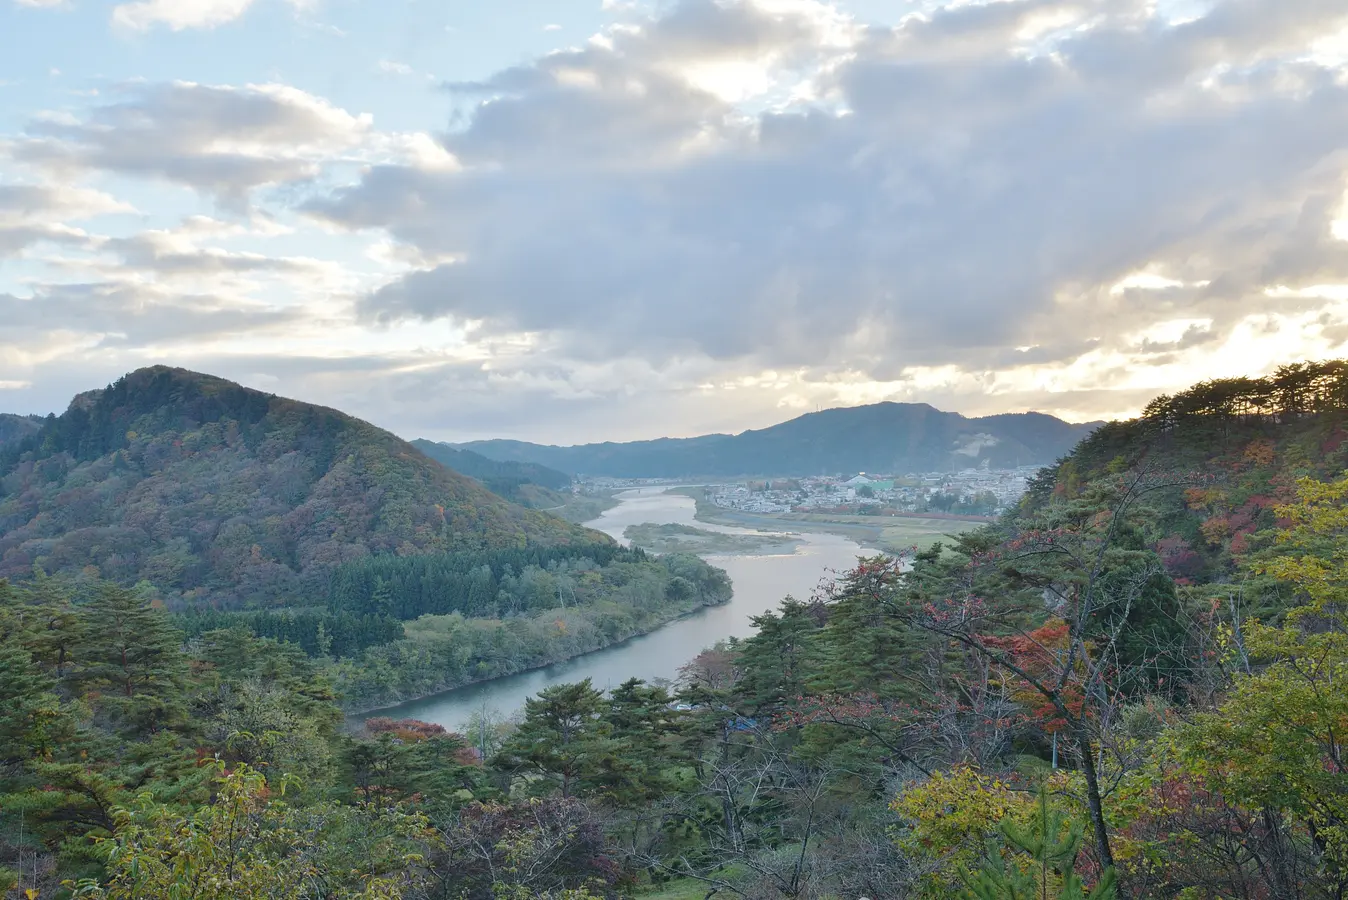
{"x": 221, "y": 494}
{"x": 879, "y": 437}
{"x": 15, "y": 427}
{"x": 486, "y": 470}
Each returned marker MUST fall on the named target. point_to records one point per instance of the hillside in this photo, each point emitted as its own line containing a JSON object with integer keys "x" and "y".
{"x": 1235, "y": 447}
{"x": 883, "y": 437}
{"x": 223, "y": 495}
{"x": 490, "y": 471}
{"x": 16, "y": 428}
{"x": 528, "y": 484}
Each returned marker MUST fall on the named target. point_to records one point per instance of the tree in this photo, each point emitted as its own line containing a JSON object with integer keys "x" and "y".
{"x": 131, "y": 654}
{"x": 776, "y": 661}
{"x": 647, "y": 735}
{"x": 247, "y": 845}
{"x": 1275, "y": 744}
{"x": 55, "y": 631}
{"x": 1074, "y": 564}
{"x": 533, "y": 848}
{"x": 1052, "y": 845}
{"x": 28, "y": 705}
{"x": 562, "y": 740}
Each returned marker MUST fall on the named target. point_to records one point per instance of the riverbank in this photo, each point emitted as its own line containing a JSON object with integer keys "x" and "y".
{"x": 430, "y": 636}
{"x": 760, "y": 582}
{"x": 581, "y": 508}
{"x": 676, "y": 538}
{"x": 888, "y": 534}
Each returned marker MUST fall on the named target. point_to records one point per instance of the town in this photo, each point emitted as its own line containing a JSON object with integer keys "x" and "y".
{"x": 971, "y": 492}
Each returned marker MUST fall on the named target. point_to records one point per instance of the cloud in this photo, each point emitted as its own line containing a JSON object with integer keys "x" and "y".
{"x": 716, "y": 214}
{"x": 179, "y": 15}
{"x": 130, "y": 315}
{"x": 36, "y": 213}
{"x": 389, "y": 67}
{"x": 970, "y": 180}
{"x": 220, "y": 140}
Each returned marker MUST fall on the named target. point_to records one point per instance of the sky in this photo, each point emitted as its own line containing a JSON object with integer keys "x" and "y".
{"x": 583, "y": 220}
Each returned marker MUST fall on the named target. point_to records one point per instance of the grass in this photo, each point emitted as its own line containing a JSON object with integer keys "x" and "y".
{"x": 581, "y": 508}
{"x": 678, "y": 889}
{"x": 673, "y": 538}
{"x": 688, "y": 888}
{"x": 892, "y": 534}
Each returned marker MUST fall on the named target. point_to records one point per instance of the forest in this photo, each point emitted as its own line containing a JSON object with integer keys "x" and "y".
{"x": 225, "y": 497}
{"x": 1127, "y": 687}
{"x": 394, "y": 628}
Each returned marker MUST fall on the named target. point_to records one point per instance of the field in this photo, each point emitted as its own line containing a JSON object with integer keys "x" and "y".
{"x": 674, "y": 538}
{"x": 892, "y": 534}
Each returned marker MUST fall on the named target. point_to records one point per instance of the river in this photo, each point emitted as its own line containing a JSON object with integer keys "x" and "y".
{"x": 760, "y": 584}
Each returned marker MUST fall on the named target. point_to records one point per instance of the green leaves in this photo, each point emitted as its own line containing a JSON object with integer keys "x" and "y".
{"x": 1042, "y": 865}
{"x": 249, "y": 845}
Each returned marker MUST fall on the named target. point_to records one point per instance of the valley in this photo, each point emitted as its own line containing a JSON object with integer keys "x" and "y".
{"x": 1137, "y": 625}
{"x": 760, "y": 579}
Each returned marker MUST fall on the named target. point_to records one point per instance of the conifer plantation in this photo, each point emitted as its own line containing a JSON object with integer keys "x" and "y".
{"x": 1129, "y": 686}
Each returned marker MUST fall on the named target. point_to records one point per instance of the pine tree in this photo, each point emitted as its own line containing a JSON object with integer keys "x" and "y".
{"x": 56, "y": 625}
{"x": 863, "y": 649}
{"x": 563, "y": 739}
{"x": 1052, "y": 844}
{"x": 777, "y": 659}
{"x": 132, "y": 656}
{"x": 647, "y": 733}
{"x": 27, "y": 704}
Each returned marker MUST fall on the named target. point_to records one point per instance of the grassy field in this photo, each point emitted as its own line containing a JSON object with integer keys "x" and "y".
{"x": 580, "y": 508}
{"x": 673, "y": 538}
{"x": 892, "y": 534}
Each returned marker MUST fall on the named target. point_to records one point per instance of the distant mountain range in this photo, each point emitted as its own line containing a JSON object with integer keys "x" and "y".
{"x": 486, "y": 470}
{"x": 528, "y": 484}
{"x": 227, "y": 496}
{"x": 16, "y": 428}
{"x": 882, "y": 437}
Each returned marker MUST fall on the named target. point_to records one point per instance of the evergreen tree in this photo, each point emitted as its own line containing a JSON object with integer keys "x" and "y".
{"x": 864, "y": 649}
{"x": 647, "y": 733}
{"x": 131, "y": 655}
{"x": 55, "y": 623}
{"x": 1049, "y": 847}
{"x": 27, "y": 704}
{"x": 563, "y": 739}
{"x": 777, "y": 660}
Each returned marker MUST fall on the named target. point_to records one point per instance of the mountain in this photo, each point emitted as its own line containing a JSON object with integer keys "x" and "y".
{"x": 528, "y": 484}
{"x": 883, "y": 437}
{"x": 228, "y": 496}
{"x": 16, "y": 428}
{"x": 1220, "y": 458}
{"x": 486, "y": 470}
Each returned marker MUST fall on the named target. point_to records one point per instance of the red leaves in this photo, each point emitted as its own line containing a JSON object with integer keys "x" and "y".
{"x": 407, "y": 730}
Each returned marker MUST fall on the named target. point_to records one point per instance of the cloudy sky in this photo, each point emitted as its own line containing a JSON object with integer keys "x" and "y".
{"x": 572, "y": 220}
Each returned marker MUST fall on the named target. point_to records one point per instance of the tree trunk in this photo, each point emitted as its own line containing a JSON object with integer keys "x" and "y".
{"x": 1093, "y": 801}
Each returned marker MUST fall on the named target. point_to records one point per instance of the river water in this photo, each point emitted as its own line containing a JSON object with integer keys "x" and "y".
{"x": 760, "y": 584}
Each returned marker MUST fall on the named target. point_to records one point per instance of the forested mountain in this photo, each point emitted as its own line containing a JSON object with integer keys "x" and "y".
{"x": 492, "y": 471}
{"x": 1130, "y": 686}
{"x": 223, "y": 495}
{"x": 528, "y": 484}
{"x": 16, "y": 428}
{"x": 1239, "y": 445}
{"x": 883, "y": 437}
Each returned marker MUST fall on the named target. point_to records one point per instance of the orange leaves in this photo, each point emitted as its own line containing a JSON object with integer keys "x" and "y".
{"x": 1259, "y": 452}
{"x": 410, "y": 731}
{"x": 1216, "y": 529}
